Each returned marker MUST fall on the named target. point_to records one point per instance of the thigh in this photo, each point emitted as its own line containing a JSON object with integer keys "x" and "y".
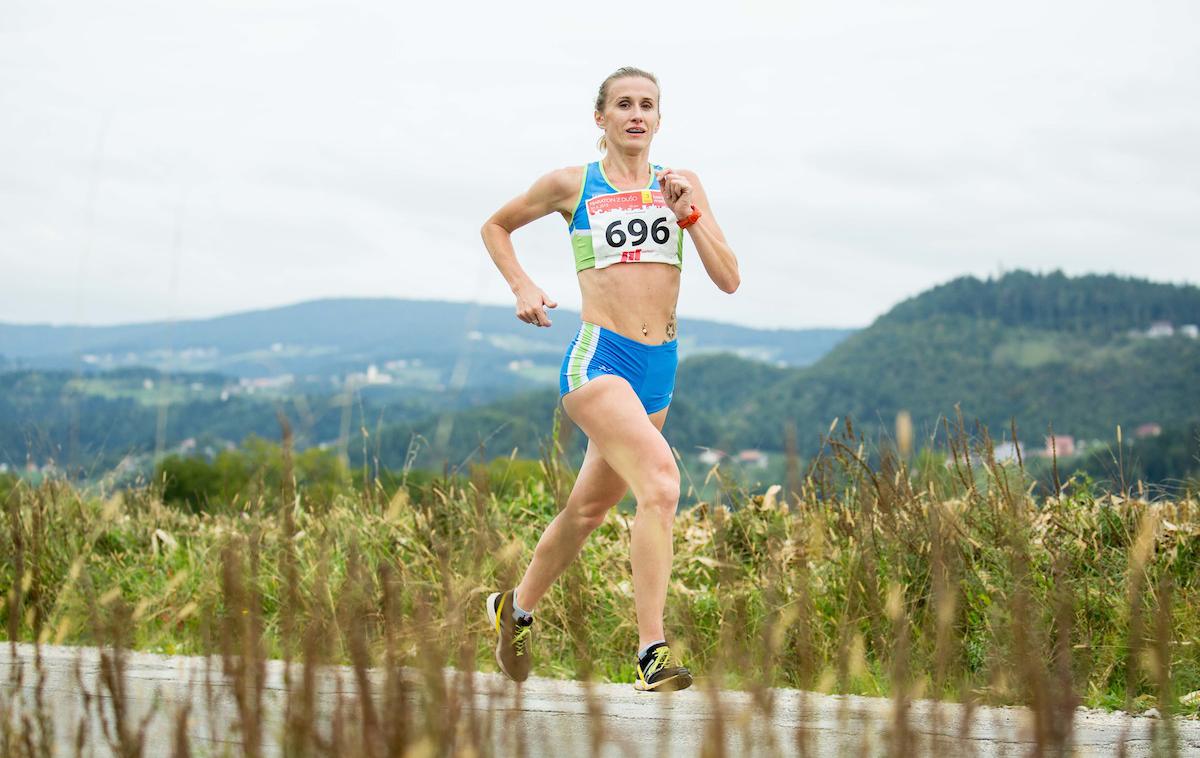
{"x": 598, "y": 483}
{"x": 614, "y": 420}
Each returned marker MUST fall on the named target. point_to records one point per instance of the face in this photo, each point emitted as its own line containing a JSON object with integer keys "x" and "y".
{"x": 630, "y": 116}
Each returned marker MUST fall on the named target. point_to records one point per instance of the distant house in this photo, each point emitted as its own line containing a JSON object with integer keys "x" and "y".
{"x": 266, "y": 382}
{"x": 1060, "y": 445}
{"x": 752, "y": 458}
{"x": 371, "y": 376}
{"x": 710, "y": 456}
{"x": 1160, "y": 329}
{"x": 1006, "y": 452}
{"x": 1147, "y": 430}
{"x": 1190, "y": 330}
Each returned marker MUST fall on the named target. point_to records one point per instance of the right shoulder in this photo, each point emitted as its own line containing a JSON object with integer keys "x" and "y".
{"x": 554, "y": 192}
{"x": 564, "y": 180}
{"x": 559, "y": 188}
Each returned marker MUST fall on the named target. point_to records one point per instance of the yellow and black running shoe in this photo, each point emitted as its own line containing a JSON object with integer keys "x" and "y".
{"x": 512, "y": 636}
{"x": 658, "y": 672}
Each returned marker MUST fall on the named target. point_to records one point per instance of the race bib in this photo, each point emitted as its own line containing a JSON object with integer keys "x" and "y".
{"x": 633, "y": 227}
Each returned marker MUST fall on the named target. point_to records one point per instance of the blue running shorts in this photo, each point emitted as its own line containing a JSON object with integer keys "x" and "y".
{"x": 649, "y": 369}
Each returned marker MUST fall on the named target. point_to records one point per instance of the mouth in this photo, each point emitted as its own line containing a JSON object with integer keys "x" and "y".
{"x": 635, "y": 130}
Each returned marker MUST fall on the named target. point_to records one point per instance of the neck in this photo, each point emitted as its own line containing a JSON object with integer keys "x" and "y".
{"x": 628, "y": 166}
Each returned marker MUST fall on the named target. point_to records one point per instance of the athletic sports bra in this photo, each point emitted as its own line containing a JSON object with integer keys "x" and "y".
{"x": 610, "y": 226}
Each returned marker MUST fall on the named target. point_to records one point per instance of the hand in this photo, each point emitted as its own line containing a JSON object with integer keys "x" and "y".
{"x": 530, "y": 302}
{"x": 677, "y": 191}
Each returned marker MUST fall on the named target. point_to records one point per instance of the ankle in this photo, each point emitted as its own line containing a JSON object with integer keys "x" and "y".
{"x": 645, "y": 647}
{"x": 518, "y": 609}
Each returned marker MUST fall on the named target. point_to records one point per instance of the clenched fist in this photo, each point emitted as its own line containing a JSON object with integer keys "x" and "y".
{"x": 677, "y": 191}
{"x": 532, "y": 304}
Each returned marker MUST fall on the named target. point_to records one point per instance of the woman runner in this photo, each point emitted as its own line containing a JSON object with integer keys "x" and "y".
{"x": 627, "y": 218}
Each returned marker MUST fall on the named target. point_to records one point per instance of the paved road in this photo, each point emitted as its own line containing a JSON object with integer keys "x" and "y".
{"x": 552, "y": 717}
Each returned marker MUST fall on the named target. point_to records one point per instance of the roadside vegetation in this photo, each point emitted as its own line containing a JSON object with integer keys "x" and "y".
{"x": 874, "y": 570}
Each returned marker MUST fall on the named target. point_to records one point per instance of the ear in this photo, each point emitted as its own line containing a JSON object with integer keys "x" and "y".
{"x": 599, "y": 118}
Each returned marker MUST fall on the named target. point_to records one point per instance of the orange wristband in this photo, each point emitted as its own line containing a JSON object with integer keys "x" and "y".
{"x": 685, "y": 223}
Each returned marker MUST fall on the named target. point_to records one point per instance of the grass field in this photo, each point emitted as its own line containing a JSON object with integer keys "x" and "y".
{"x": 898, "y": 578}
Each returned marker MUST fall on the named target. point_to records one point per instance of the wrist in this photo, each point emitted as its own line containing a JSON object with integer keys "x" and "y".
{"x": 690, "y": 218}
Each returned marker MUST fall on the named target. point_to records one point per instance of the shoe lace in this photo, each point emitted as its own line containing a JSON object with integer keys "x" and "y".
{"x": 520, "y": 640}
{"x": 662, "y": 657}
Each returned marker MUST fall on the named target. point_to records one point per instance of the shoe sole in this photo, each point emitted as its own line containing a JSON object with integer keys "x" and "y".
{"x": 670, "y": 684}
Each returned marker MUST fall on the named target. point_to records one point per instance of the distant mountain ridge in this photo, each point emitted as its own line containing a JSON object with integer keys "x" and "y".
{"x": 333, "y": 337}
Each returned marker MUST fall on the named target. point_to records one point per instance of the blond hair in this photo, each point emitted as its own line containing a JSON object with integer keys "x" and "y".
{"x": 602, "y": 96}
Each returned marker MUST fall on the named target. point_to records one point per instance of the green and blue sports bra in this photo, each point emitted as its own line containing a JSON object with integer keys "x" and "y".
{"x": 610, "y": 226}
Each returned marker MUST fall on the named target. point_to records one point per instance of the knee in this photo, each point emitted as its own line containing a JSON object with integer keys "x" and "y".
{"x": 590, "y": 520}
{"x": 661, "y": 492}
{"x": 587, "y": 517}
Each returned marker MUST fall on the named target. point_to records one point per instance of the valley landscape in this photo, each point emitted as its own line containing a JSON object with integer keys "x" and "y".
{"x": 371, "y": 381}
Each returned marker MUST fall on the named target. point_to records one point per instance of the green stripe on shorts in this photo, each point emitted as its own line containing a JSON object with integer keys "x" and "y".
{"x": 585, "y": 348}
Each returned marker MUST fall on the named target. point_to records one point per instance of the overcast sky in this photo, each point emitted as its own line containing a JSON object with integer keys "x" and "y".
{"x": 170, "y": 160}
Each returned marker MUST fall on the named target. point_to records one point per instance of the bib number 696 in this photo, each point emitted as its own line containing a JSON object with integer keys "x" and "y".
{"x": 616, "y": 237}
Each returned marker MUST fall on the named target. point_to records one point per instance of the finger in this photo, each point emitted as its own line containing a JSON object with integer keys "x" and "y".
{"x": 550, "y": 303}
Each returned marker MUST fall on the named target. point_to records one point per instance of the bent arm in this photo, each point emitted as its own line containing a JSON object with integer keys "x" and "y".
{"x": 552, "y": 192}
{"x": 715, "y": 253}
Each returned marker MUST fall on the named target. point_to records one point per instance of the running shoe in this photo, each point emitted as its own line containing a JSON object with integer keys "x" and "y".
{"x": 658, "y": 671}
{"x": 512, "y": 636}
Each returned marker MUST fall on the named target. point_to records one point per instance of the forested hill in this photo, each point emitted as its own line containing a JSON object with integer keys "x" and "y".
{"x": 1077, "y": 353}
{"x": 1040, "y": 349}
{"x": 1093, "y": 304}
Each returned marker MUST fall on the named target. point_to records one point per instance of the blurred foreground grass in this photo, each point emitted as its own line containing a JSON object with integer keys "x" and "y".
{"x": 876, "y": 577}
